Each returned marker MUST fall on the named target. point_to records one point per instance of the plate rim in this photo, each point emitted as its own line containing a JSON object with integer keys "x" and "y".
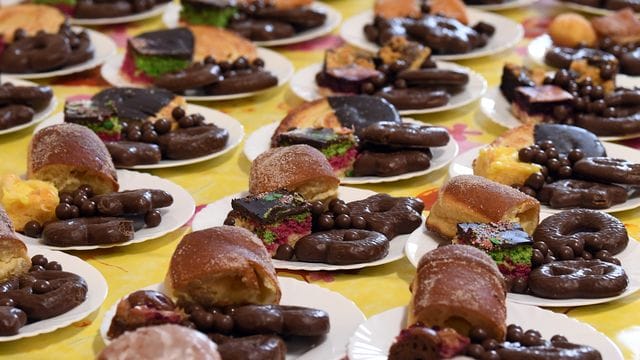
{"x": 157, "y": 10}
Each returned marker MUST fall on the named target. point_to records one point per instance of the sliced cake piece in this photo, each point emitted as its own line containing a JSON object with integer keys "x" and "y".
{"x": 103, "y": 121}
{"x": 535, "y": 103}
{"x": 412, "y": 53}
{"x": 514, "y": 76}
{"x": 340, "y": 147}
{"x": 155, "y": 53}
{"x": 507, "y": 243}
{"x": 346, "y": 69}
{"x": 277, "y": 217}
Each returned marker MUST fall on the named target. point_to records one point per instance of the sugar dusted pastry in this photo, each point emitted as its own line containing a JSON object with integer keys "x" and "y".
{"x": 13, "y": 253}
{"x": 470, "y": 198}
{"x": 571, "y": 30}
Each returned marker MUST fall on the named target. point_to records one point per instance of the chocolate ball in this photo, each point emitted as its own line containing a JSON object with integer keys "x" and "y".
{"x": 241, "y": 63}
{"x": 202, "y": 319}
{"x": 222, "y": 323}
{"x": 340, "y": 209}
{"x": 552, "y": 153}
{"x": 490, "y": 344}
{"x": 146, "y": 126}
{"x": 368, "y": 88}
{"x": 597, "y": 92}
{"x": 478, "y": 335}
{"x": 535, "y": 181}
{"x": 596, "y": 243}
{"x": 475, "y": 351}
{"x": 326, "y": 222}
{"x": 379, "y": 80}
{"x": 602, "y": 254}
{"x": 152, "y": 218}
{"x": 224, "y": 66}
{"x": 525, "y": 155}
{"x": 186, "y": 122}
{"x": 544, "y": 171}
{"x": 565, "y": 253}
{"x": 587, "y": 255}
{"x": 564, "y": 160}
{"x": 519, "y": 285}
{"x": 541, "y": 246}
{"x": 334, "y": 202}
{"x": 559, "y": 339}
{"x": 209, "y": 60}
{"x": 514, "y": 333}
{"x": 284, "y": 252}
{"x": 40, "y": 260}
{"x": 53, "y": 265}
{"x": 553, "y": 165}
{"x": 178, "y": 113}
{"x": 65, "y": 197}
{"x": 257, "y": 62}
{"x": 580, "y": 104}
{"x": 7, "y": 302}
{"x": 350, "y": 236}
{"x": 317, "y": 208}
{"x": 79, "y": 199}
{"x": 33, "y": 229}
{"x": 533, "y": 332}
{"x": 65, "y": 211}
{"x": 597, "y": 106}
{"x": 564, "y": 172}
{"x": 41, "y": 286}
{"x": 229, "y": 221}
{"x": 358, "y": 222}
{"x": 539, "y": 157}
{"x": 575, "y": 155}
{"x": 586, "y": 90}
{"x": 607, "y": 72}
{"x": 88, "y": 208}
{"x": 576, "y": 245}
{"x": 562, "y": 78}
{"x": 545, "y": 144}
{"x": 529, "y": 339}
{"x": 163, "y": 125}
{"x": 134, "y": 134}
{"x": 537, "y": 258}
{"x": 491, "y": 355}
{"x": 343, "y": 221}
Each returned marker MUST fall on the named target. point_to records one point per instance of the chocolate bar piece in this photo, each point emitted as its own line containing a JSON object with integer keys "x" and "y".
{"x": 541, "y": 99}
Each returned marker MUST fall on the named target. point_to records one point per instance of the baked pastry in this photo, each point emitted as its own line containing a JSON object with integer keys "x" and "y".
{"x": 501, "y": 164}
{"x": 27, "y": 200}
{"x": 169, "y": 342}
{"x": 29, "y": 17}
{"x": 70, "y": 155}
{"x": 623, "y": 27}
{"x": 222, "y": 266}
{"x": 470, "y": 198}
{"x": 571, "y": 30}
{"x": 455, "y": 9}
{"x": 96, "y": 9}
{"x": 297, "y": 168}
{"x": 221, "y": 44}
{"x": 390, "y": 9}
{"x": 155, "y": 53}
{"x": 13, "y": 253}
{"x": 460, "y": 287}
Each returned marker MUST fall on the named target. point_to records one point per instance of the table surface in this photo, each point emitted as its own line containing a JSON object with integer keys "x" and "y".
{"x": 373, "y": 289}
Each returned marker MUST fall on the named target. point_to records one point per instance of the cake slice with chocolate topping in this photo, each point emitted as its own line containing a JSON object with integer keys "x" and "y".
{"x": 278, "y": 217}
{"x": 537, "y": 103}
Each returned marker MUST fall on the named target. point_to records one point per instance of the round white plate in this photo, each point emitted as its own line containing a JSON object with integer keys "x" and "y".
{"x": 275, "y": 63}
{"x": 497, "y": 109}
{"x": 344, "y": 316}
{"x": 155, "y": 11}
{"x": 586, "y": 9}
{"x": 215, "y": 213}
{"x": 462, "y": 165}
{"x": 508, "y": 34}
{"x": 173, "y": 216}
{"x": 104, "y": 48}
{"x": 421, "y": 241}
{"x": 304, "y": 85}
{"x": 97, "y": 292}
{"x": 374, "y": 337}
{"x": 220, "y": 119}
{"x": 507, "y": 5}
{"x": 9, "y": 2}
{"x": 37, "y": 117}
{"x": 171, "y": 19}
{"x": 260, "y": 141}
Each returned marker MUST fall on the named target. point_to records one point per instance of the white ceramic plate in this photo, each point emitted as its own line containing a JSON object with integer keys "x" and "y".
{"x": 304, "y": 85}
{"x": 37, "y": 117}
{"x": 260, "y": 141}
{"x": 104, "y": 48}
{"x": 508, "y": 34}
{"x": 275, "y": 63}
{"x": 344, "y": 316}
{"x": 215, "y": 213}
{"x": 374, "y": 337}
{"x": 497, "y": 109}
{"x": 421, "y": 241}
{"x": 155, "y": 11}
{"x": 97, "y": 292}
{"x": 507, "y": 5}
{"x": 9, "y": 2}
{"x": 585, "y": 8}
{"x": 220, "y": 119}
{"x": 173, "y": 216}
{"x": 462, "y": 165}
{"x": 171, "y": 19}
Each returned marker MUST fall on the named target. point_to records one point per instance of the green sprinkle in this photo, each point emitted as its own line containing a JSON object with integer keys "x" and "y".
{"x": 337, "y": 149}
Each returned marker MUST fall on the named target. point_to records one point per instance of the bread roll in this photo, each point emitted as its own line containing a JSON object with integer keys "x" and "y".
{"x": 223, "y": 266}
{"x": 470, "y": 198}
{"x": 460, "y": 287}
{"x": 296, "y": 168}
{"x": 13, "y": 252}
{"x": 70, "y": 155}
{"x": 167, "y": 342}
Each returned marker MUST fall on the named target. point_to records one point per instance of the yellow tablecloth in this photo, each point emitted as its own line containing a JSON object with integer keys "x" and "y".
{"x": 373, "y": 289}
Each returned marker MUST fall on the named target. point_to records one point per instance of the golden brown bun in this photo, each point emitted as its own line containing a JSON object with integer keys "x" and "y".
{"x": 390, "y": 9}
{"x": 470, "y": 198}
{"x": 459, "y": 286}
{"x": 29, "y": 17}
{"x": 571, "y": 30}
{"x": 315, "y": 114}
{"x": 14, "y": 259}
{"x": 223, "y": 266}
{"x": 221, "y": 44}
{"x": 69, "y": 155}
{"x": 296, "y": 168}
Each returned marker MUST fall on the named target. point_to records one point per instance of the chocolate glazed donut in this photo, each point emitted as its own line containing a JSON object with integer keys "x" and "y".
{"x": 578, "y": 279}
{"x": 81, "y": 47}
{"x": 38, "y": 53}
{"x": 582, "y": 229}
{"x": 342, "y": 247}
{"x": 66, "y": 291}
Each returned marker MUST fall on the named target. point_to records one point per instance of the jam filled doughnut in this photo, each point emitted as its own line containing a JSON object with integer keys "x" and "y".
{"x": 578, "y": 193}
{"x": 195, "y": 76}
{"x": 578, "y": 279}
{"x": 342, "y": 247}
{"x": 131, "y": 153}
{"x": 388, "y": 215}
{"x": 187, "y": 143}
{"x": 42, "y": 52}
{"x": 14, "y": 115}
{"x": 608, "y": 170}
{"x": 369, "y": 163}
{"x": 406, "y": 135}
{"x": 88, "y": 231}
{"x": 131, "y": 202}
{"x": 582, "y": 230}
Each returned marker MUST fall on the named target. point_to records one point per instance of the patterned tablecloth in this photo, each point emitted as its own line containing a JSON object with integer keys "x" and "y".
{"x": 373, "y": 289}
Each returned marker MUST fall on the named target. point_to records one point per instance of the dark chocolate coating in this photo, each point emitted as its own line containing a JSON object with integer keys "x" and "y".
{"x": 407, "y": 135}
{"x": 245, "y": 81}
{"x": 14, "y": 115}
{"x": 131, "y": 153}
{"x": 434, "y": 78}
{"x": 566, "y": 138}
{"x": 88, "y": 231}
{"x": 621, "y": 4}
{"x": 593, "y": 230}
{"x": 301, "y": 18}
{"x": 131, "y": 202}
{"x": 133, "y": 103}
{"x": 562, "y": 57}
{"x": 571, "y": 193}
{"x": 39, "y": 53}
{"x": 256, "y": 347}
{"x": 610, "y": 126}
{"x": 279, "y": 319}
{"x": 388, "y": 215}
{"x": 262, "y": 30}
{"x": 332, "y": 247}
{"x": 549, "y": 351}
{"x": 193, "y": 142}
{"x": 414, "y": 98}
{"x": 195, "y": 76}
{"x": 578, "y": 279}
{"x": 177, "y": 43}
{"x": 360, "y": 111}
{"x": 81, "y": 47}
{"x": 36, "y": 97}
{"x": 608, "y": 170}
{"x": 416, "y": 342}
{"x": 94, "y": 10}
{"x": 11, "y": 320}
{"x": 630, "y": 62}
{"x": 369, "y": 163}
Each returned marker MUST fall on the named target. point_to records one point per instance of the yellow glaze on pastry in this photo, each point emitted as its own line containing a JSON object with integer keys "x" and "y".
{"x": 501, "y": 164}
{"x": 26, "y": 200}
